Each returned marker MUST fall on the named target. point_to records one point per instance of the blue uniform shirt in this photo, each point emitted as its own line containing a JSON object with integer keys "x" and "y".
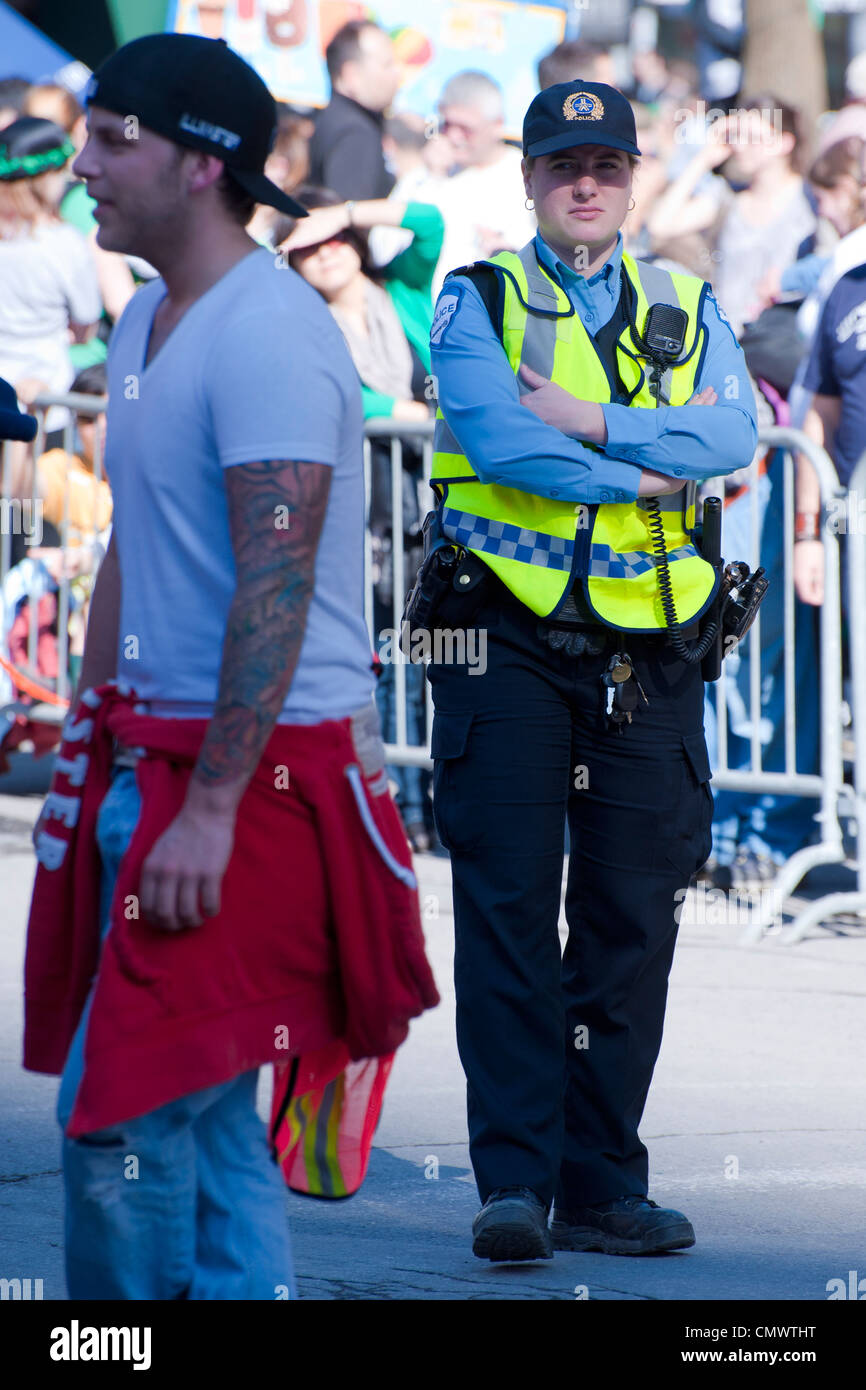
{"x": 509, "y": 445}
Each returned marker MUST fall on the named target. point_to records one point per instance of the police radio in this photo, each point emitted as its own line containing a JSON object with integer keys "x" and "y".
{"x": 664, "y": 332}
{"x": 739, "y": 593}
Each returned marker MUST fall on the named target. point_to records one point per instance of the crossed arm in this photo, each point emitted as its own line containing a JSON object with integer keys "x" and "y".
{"x": 585, "y": 420}
{"x": 536, "y": 440}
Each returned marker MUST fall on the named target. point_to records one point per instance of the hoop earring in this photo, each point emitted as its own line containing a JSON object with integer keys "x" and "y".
{"x": 529, "y": 204}
{"x": 631, "y": 206}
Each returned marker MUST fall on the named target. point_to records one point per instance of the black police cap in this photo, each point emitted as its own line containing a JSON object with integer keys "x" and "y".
{"x": 200, "y": 93}
{"x": 579, "y": 113}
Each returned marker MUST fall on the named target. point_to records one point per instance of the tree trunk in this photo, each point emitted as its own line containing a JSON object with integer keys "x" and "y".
{"x": 784, "y": 54}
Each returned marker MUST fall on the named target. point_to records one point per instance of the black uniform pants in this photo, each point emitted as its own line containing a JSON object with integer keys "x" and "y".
{"x": 559, "y": 1049}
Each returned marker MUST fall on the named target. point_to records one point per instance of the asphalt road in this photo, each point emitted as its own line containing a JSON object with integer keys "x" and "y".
{"x": 755, "y": 1125}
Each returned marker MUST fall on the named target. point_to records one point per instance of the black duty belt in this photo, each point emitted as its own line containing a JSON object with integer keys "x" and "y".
{"x": 574, "y": 641}
{"x": 573, "y": 631}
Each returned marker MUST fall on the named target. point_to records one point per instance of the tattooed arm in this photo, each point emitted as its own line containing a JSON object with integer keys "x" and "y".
{"x": 267, "y": 618}
{"x": 265, "y": 629}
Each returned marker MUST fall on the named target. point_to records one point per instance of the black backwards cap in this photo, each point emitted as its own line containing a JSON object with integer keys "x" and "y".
{"x": 30, "y": 146}
{"x": 579, "y": 113}
{"x": 199, "y": 93}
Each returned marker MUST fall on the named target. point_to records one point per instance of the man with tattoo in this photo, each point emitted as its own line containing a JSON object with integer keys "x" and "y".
{"x": 230, "y": 603}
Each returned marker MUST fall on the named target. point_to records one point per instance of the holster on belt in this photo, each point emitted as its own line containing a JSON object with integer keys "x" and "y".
{"x": 448, "y": 590}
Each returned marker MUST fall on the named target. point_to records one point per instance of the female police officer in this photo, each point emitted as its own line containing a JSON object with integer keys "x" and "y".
{"x": 563, "y": 405}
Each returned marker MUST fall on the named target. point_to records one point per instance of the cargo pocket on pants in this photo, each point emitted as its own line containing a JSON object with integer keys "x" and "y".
{"x": 690, "y": 847}
{"x": 456, "y": 825}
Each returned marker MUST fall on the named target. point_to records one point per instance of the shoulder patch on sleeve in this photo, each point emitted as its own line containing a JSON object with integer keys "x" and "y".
{"x": 446, "y": 307}
{"x": 721, "y": 316}
{"x": 718, "y": 308}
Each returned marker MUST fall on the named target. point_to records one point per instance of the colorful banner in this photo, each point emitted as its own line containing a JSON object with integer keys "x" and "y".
{"x": 130, "y": 19}
{"x": 285, "y": 40}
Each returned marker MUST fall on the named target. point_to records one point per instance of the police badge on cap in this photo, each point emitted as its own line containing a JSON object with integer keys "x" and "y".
{"x": 583, "y": 106}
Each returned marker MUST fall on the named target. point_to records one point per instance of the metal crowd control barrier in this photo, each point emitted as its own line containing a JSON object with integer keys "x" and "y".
{"x": 20, "y": 499}
{"x": 855, "y": 901}
{"x": 838, "y": 799}
{"x": 828, "y": 786}
{"x": 399, "y": 751}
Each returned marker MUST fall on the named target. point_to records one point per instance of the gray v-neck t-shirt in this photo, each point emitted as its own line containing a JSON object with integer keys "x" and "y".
{"x": 256, "y": 369}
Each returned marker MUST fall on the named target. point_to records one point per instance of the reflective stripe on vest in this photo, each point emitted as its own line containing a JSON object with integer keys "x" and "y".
{"x": 534, "y": 548}
{"x": 511, "y": 542}
{"x": 538, "y": 545}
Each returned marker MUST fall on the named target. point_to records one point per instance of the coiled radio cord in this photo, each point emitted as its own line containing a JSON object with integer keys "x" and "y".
{"x": 691, "y": 655}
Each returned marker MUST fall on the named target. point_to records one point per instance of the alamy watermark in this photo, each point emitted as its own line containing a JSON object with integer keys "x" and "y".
{"x": 77, "y": 1343}
{"x": 22, "y": 517}
{"x": 847, "y": 515}
{"x": 444, "y": 646}
{"x": 23, "y": 1289}
{"x": 706, "y": 906}
{"x": 741, "y": 126}
{"x": 854, "y": 1288}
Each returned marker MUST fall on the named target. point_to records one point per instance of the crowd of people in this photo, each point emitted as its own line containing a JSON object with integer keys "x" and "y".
{"x": 262, "y": 296}
{"x": 771, "y": 214}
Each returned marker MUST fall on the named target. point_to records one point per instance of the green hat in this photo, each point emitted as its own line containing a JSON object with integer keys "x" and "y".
{"x": 30, "y": 146}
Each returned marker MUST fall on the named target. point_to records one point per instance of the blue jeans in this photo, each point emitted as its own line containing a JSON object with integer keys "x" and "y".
{"x": 185, "y": 1201}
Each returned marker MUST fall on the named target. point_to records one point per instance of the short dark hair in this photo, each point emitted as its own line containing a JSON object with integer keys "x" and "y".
{"x": 345, "y": 46}
{"x": 846, "y": 158}
{"x": 789, "y": 119}
{"x": 571, "y": 59}
{"x": 236, "y": 200}
{"x": 91, "y": 381}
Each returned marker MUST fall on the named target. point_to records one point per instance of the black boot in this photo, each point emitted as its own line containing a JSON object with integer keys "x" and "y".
{"x": 625, "y": 1226}
{"x": 512, "y": 1226}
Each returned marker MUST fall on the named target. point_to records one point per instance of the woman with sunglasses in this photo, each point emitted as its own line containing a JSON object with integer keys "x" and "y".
{"x": 385, "y": 314}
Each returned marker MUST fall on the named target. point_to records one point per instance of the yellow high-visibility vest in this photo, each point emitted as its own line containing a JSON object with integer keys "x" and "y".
{"x": 539, "y": 545}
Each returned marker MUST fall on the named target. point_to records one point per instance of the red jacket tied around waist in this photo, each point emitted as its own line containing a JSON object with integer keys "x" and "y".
{"x": 318, "y": 939}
